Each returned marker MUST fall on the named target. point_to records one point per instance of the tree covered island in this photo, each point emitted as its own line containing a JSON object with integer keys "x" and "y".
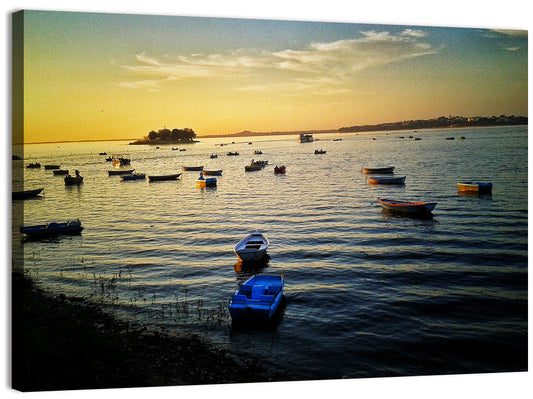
{"x": 167, "y": 136}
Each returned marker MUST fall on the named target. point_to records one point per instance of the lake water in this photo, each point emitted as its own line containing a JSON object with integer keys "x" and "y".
{"x": 367, "y": 293}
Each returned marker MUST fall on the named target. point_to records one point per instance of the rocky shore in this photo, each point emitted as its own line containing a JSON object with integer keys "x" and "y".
{"x": 62, "y": 343}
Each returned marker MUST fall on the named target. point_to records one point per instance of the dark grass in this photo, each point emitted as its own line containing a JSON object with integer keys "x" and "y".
{"x": 61, "y": 343}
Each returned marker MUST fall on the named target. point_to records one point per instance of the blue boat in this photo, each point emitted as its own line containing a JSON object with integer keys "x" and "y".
{"x": 257, "y": 298}
{"x": 52, "y": 229}
{"x": 133, "y": 176}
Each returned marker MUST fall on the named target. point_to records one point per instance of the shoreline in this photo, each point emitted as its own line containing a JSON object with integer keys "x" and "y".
{"x": 61, "y": 343}
{"x": 288, "y": 133}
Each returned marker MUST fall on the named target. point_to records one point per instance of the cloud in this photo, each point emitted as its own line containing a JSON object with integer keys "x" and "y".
{"x": 346, "y": 57}
{"x": 319, "y": 66}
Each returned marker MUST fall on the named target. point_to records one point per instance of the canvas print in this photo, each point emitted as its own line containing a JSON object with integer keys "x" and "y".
{"x": 201, "y": 200}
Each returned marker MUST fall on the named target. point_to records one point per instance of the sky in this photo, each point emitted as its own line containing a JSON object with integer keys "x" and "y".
{"x": 98, "y": 76}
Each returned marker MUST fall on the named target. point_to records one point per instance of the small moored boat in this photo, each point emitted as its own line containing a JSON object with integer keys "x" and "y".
{"x": 386, "y": 180}
{"x": 34, "y": 165}
{"x": 251, "y": 168}
{"x": 212, "y": 172}
{"x": 252, "y": 248}
{"x": 320, "y": 152}
{"x": 233, "y": 153}
{"x": 52, "y": 229}
{"x": 164, "y": 177}
{"x": 257, "y": 298}
{"x": 119, "y": 159}
{"x": 133, "y": 176}
{"x": 203, "y": 182}
{"x": 384, "y": 170}
{"x": 474, "y": 187}
{"x": 407, "y": 206}
{"x": 18, "y": 195}
{"x": 74, "y": 180}
{"x": 192, "y": 168}
{"x": 51, "y": 167}
{"x": 59, "y": 172}
{"x": 119, "y": 172}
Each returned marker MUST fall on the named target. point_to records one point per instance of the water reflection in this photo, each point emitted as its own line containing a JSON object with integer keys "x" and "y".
{"x": 466, "y": 194}
{"x": 245, "y": 270}
{"x": 252, "y": 325}
{"x": 419, "y": 216}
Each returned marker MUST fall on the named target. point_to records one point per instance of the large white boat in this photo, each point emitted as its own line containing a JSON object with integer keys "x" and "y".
{"x": 306, "y": 138}
{"x": 252, "y": 248}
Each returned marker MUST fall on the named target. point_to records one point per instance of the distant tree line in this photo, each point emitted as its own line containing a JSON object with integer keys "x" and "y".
{"x": 167, "y": 136}
{"x": 443, "y": 121}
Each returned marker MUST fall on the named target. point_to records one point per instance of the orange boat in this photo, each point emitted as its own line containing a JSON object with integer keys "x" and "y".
{"x": 473, "y": 187}
{"x": 407, "y": 206}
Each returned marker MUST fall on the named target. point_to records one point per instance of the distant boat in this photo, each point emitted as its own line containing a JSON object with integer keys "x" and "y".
{"x": 133, "y": 176}
{"x": 73, "y": 180}
{"x": 59, "y": 172}
{"x": 164, "y": 177}
{"x": 102, "y": 153}
{"x": 25, "y": 194}
{"x": 212, "y": 172}
{"x": 386, "y": 180}
{"x": 214, "y": 156}
{"x": 474, "y": 187}
{"x": 279, "y": 169}
{"x": 50, "y": 167}
{"x": 119, "y": 159}
{"x": 192, "y": 168}
{"x": 52, "y": 229}
{"x": 252, "y": 167}
{"x": 120, "y": 172}
{"x": 252, "y": 248}
{"x": 306, "y": 138}
{"x": 257, "y": 298}
{"x": 34, "y": 165}
{"x": 233, "y": 153}
{"x": 320, "y": 152}
{"x": 407, "y": 207}
{"x": 383, "y": 170}
{"x": 258, "y": 152}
